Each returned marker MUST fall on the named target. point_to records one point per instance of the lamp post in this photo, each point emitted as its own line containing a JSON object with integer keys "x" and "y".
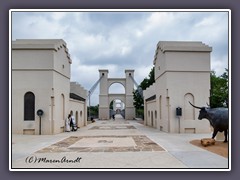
{"x": 40, "y": 113}
{"x": 178, "y": 114}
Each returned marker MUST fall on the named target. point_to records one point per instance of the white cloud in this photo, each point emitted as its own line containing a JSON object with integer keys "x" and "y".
{"x": 219, "y": 65}
{"x": 58, "y": 15}
{"x": 158, "y": 19}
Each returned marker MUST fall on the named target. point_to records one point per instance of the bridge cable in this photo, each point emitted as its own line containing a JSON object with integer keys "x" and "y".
{"x": 90, "y": 93}
{"x": 139, "y": 89}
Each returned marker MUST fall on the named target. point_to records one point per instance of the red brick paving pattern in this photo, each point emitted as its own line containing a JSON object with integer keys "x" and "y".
{"x": 143, "y": 143}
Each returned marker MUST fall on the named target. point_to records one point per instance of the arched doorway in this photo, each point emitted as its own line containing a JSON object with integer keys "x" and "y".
{"x": 189, "y": 112}
{"x": 63, "y": 107}
{"x": 152, "y": 118}
{"x": 81, "y": 118}
{"x": 117, "y": 107}
{"x": 29, "y": 106}
{"x": 77, "y": 119}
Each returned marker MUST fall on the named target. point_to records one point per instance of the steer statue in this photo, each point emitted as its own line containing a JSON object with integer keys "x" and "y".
{"x": 218, "y": 118}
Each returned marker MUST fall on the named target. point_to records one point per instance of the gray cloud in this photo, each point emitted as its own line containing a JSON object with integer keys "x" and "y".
{"x": 123, "y": 40}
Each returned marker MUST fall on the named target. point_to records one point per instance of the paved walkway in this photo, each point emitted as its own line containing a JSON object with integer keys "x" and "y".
{"x": 113, "y": 144}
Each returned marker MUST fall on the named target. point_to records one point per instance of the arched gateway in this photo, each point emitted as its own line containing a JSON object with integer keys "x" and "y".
{"x": 105, "y": 98}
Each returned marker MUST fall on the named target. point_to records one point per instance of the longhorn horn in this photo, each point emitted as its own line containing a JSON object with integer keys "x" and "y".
{"x": 195, "y": 106}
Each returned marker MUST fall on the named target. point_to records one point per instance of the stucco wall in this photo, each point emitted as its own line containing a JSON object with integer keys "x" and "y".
{"x": 43, "y": 68}
{"x": 32, "y": 59}
{"x": 37, "y": 82}
{"x": 151, "y": 114}
{"x": 61, "y": 87}
{"x": 77, "y": 89}
{"x": 182, "y": 74}
{"x": 78, "y": 110}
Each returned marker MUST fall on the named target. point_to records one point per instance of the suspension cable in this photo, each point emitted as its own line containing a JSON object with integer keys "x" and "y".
{"x": 94, "y": 86}
{"x": 139, "y": 89}
{"x": 90, "y": 93}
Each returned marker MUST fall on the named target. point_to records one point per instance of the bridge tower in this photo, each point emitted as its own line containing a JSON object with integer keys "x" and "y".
{"x": 103, "y": 95}
{"x": 105, "y": 98}
{"x": 129, "y": 107}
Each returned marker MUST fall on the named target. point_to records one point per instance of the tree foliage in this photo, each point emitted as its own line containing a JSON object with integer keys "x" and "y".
{"x": 111, "y": 105}
{"x": 219, "y": 90}
{"x": 148, "y": 81}
{"x": 138, "y": 100}
{"x": 93, "y": 111}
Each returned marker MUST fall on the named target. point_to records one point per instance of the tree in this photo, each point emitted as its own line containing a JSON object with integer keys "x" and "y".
{"x": 138, "y": 100}
{"x": 148, "y": 81}
{"x": 151, "y": 76}
{"x": 111, "y": 105}
{"x": 93, "y": 111}
{"x": 219, "y": 90}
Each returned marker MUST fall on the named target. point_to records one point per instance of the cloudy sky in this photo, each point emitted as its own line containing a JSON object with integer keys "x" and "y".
{"x": 122, "y": 40}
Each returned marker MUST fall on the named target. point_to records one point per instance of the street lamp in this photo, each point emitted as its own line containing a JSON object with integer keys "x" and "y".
{"x": 40, "y": 113}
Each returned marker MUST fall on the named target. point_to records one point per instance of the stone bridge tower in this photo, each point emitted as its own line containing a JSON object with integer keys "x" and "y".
{"x": 105, "y": 98}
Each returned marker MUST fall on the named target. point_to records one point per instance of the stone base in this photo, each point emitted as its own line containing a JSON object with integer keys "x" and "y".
{"x": 207, "y": 142}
